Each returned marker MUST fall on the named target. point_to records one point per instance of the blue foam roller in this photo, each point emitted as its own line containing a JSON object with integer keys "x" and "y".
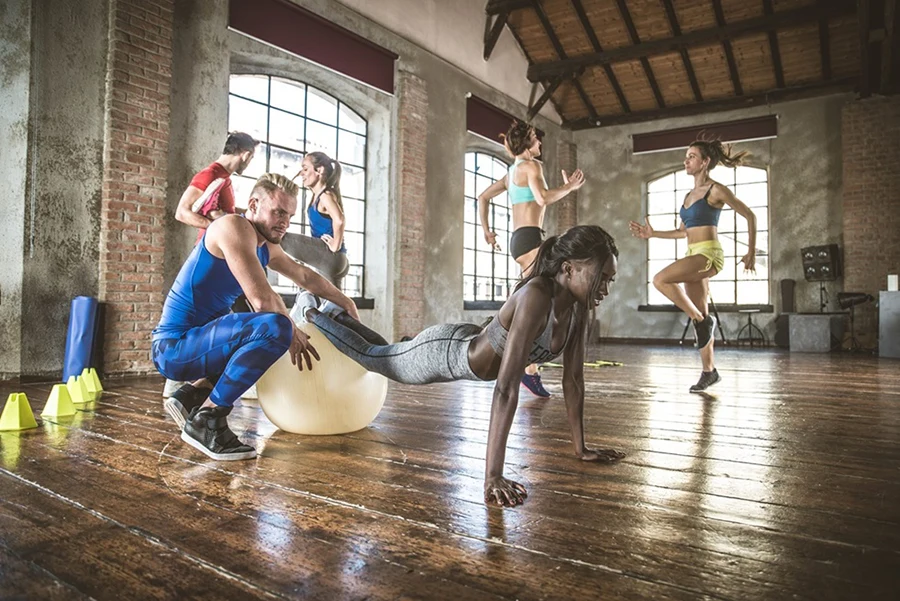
{"x": 81, "y": 338}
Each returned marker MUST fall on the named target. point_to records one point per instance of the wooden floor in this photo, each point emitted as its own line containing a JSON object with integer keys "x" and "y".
{"x": 783, "y": 484}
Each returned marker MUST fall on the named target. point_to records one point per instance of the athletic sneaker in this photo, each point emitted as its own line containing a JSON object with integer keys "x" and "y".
{"x": 705, "y": 331}
{"x": 330, "y": 309}
{"x": 171, "y": 387}
{"x": 181, "y": 402}
{"x": 303, "y": 302}
{"x": 707, "y": 379}
{"x": 207, "y": 431}
{"x": 534, "y": 384}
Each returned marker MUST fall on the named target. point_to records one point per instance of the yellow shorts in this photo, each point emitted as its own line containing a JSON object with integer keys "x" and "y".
{"x": 712, "y": 250}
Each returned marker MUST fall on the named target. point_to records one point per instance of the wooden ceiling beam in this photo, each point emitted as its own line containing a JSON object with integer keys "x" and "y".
{"x": 530, "y": 62}
{"x": 890, "y": 57}
{"x": 824, "y": 46}
{"x": 773, "y": 47}
{"x": 595, "y": 43}
{"x": 725, "y": 104}
{"x": 685, "y": 57}
{"x": 496, "y": 7}
{"x": 540, "y": 102}
{"x": 561, "y": 53}
{"x": 729, "y": 53}
{"x": 636, "y": 40}
{"x": 867, "y": 57}
{"x": 723, "y": 33}
{"x": 492, "y": 32}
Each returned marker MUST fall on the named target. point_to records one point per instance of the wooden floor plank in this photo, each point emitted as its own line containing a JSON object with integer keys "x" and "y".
{"x": 782, "y": 483}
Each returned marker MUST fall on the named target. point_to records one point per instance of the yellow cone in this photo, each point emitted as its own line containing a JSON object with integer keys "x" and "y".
{"x": 17, "y": 414}
{"x": 96, "y": 379}
{"x": 89, "y": 383}
{"x": 85, "y": 389}
{"x": 59, "y": 404}
{"x": 77, "y": 390}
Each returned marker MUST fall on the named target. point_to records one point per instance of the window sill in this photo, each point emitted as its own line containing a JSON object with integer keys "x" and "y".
{"x": 718, "y": 307}
{"x": 482, "y": 305}
{"x": 361, "y": 303}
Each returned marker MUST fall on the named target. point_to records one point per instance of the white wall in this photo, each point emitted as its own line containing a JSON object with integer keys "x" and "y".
{"x": 454, "y": 31}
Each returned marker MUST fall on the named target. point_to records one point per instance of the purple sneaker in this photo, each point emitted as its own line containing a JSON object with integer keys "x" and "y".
{"x": 533, "y": 383}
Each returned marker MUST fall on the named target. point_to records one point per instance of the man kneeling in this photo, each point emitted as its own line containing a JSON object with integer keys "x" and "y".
{"x": 198, "y": 337}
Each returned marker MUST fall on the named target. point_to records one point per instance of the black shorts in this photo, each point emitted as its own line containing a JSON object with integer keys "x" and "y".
{"x": 524, "y": 240}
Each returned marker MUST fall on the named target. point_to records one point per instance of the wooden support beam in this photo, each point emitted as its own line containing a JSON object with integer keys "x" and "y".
{"x": 729, "y": 53}
{"x": 539, "y": 104}
{"x": 824, "y": 46}
{"x": 890, "y": 50}
{"x": 725, "y": 104}
{"x": 561, "y": 53}
{"x": 496, "y": 7}
{"x": 635, "y": 39}
{"x": 530, "y": 62}
{"x": 595, "y": 43}
{"x": 492, "y": 32}
{"x": 720, "y": 33}
{"x": 877, "y": 33}
{"x": 773, "y": 47}
{"x": 685, "y": 57}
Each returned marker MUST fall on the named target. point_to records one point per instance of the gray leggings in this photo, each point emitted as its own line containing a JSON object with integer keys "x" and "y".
{"x": 315, "y": 253}
{"x": 438, "y": 354}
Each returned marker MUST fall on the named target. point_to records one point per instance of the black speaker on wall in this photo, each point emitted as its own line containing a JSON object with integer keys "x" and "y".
{"x": 821, "y": 263}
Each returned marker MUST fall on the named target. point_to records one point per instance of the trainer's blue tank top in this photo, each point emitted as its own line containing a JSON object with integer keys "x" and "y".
{"x": 204, "y": 290}
{"x": 518, "y": 194}
{"x": 320, "y": 224}
{"x": 700, "y": 213}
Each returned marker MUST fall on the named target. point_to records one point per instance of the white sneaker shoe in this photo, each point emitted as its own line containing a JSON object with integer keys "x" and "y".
{"x": 251, "y": 393}
{"x": 329, "y": 308}
{"x": 304, "y": 301}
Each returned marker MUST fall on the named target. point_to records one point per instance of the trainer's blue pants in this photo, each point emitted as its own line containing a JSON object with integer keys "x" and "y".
{"x": 233, "y": 351}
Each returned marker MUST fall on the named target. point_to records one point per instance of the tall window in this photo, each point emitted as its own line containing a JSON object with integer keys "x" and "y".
{"x": 488, "y": 275}
{"x": 665, "y": 197}
{"x": 290, "y": 119}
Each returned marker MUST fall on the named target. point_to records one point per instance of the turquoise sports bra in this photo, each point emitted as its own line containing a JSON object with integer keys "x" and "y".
{"x": 518, "y": 194}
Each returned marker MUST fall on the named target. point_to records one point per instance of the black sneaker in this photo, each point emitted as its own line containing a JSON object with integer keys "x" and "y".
{"x": 707, "y": 379}
{"x": 705, "y": 331}
{"x": 207, "y": 431}
{"x": 183, "y": 401}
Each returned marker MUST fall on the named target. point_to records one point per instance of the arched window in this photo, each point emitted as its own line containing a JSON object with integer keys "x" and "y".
{"x": 665, "y": 197}
{"x": 290, "y": 119}
{"x": 488, "y": 275}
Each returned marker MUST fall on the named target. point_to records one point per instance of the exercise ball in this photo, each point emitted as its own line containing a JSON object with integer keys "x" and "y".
{"x": 335, "y": 397}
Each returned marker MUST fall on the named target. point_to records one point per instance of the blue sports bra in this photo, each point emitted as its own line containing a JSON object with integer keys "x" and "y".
{"x": 519, "y": 194}
{"x": 700, "y": 213}
{"x": 319, "y": 223}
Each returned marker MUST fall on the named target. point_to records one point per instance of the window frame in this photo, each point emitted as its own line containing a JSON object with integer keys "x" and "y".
{"x": 474, "y": 229}
{"x": 733, "y": 235}
{"x": 362, "y": 301}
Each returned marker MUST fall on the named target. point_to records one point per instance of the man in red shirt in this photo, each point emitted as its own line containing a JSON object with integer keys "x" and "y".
{"x": 210, "y": 193}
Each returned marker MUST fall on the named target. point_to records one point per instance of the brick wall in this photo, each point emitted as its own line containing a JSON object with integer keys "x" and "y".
{"x": 409, "y": 279}
{"x": 139, "y": 73}
{"x": 870, "y": 137}
{"x": 567, "y": 211}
